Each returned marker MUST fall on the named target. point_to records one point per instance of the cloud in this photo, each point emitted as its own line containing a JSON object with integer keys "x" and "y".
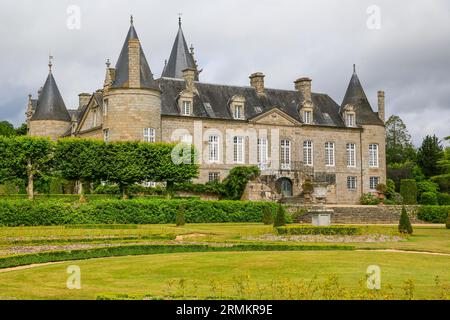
{"x": 407, "y": 57}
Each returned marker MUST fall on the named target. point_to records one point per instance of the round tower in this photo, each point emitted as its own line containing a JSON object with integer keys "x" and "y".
{"x": 50, "y": 117}
{"x": 132, "y": 99}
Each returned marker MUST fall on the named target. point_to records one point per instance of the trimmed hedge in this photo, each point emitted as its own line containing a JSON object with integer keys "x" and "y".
{"x": 136, "y": 211}
{"x": 408, "y": 190}
{"x": 311, "y": 230}
{"x": 43, "y": 257}
{"x": 434, "y": 214}
{"x": 429, "y": 198}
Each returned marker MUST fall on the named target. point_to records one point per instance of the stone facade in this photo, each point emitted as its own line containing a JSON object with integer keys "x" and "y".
{"x": 48, "y": 128}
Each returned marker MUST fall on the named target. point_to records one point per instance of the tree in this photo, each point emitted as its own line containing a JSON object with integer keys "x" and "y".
{"x": 404, "y": 225}
{"x": 7, "y": 129}
{"x": 267, "y": 215}
{"x": 399, "y": 148}
{"x": 280, "y": 218}
{"x": 429, "y": 154}
{"x": 22, "y": 130}
{"x": 180, "y": 218}
{"x": 80, "y": 159}
{"x": 237, "y": 180}
{"x": 25, "y": 158}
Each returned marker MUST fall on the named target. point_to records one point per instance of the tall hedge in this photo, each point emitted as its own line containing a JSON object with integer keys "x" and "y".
{"x": 434, "y": 214}
{"x": 136, "y": 211}
{"x": 408, "y": 190}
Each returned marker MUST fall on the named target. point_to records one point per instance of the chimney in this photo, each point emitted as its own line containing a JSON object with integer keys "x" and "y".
{"x": 134, "y": 63}
{"x": 381, "y": 111}
{"x": 83, "y": 99}
{"x": 303, "y": 85}
{"x": 189, "y": 77}
{"x": 257, "y": 82}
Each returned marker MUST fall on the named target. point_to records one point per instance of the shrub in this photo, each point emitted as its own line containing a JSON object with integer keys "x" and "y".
{"x": 280, "y": 218}
{"x": 397, "y": 198}
{"x": 434, "y": 214}
{"x": 426, "y": 186}
{"x": 382, "y": 188}
{"x": 448, "y": 222}
{"x": 298, "y": 214}
{"x": 390, "y": 189}
{"x": 136, "y": 211}
{"x": 369, "y": 199}
{"x": 213, "y": 187}
{"x": 443, "y": 199}
{"x": 408, "y": 190}
{"x": 428, "y": 198}
{"x": 310, "y": 230}
{"x": 443, "y": 181}
{"x": 180, "y": 219}
{"x": 267, "y": 215}
{"x": 388, "y": 202}
{"x": 107, "y": 189}
{"x": 56, "y": 186}
{"x": 234, "y": 185}
{"x": 404, "y": 225}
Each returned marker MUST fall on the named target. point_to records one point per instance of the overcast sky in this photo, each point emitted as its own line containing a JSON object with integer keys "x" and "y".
{"x": 408, "y": 56}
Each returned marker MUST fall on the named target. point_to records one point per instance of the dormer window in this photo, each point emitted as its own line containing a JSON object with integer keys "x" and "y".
{"x": 186, "y": 108}
{"x": 307, "y": 117}
{"x": 350, "y": 119}
{"x": 238, "y": 112}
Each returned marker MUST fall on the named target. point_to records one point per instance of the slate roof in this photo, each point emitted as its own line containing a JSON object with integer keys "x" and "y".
{"x": 213, "y": 101}
{"x": 122, "y": 66}
{"x": 356, "y": 96}
{"x": 50, "y": 104}
{"x": 180, "y": 58}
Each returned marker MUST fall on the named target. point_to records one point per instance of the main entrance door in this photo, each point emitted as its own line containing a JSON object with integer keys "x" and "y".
{"x": 285, "y": 186}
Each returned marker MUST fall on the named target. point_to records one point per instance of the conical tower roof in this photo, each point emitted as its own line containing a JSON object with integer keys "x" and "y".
{"x": 180, "y": 57}
{"x": 122, "y": 67}
{"x": 50, "y": 104}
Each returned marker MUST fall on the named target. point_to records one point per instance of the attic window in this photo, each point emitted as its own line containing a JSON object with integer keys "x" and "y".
{"x": 186, "y": 108}
{"x": 258, "y": 109}
{"x": 237, "y": 106}
{"x": 350, "y": 119}
{"x": 307, "y": 117}
{"x": 238, "y": 112}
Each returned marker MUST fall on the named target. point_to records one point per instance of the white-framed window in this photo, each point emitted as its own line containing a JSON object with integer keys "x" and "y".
{"x": 373, "y": 182}
{"x": 186, "y": 138}
{"x": 285, "y": 154}
{"x": 105, "y": 107}
{"x": 213, "y": 148}
{"x": 149, "y": 135}
{"x": 373, "y": 155}
{"x": 308, "y": 153}
{"x": 238, "y": 112}
{"x": 262, "y": 153}
{"x": 329, "y": 154}
{"x": 307, "y": 117}
{"x": 350, "y": 119}
{"x": 186, "y": 108}
{"x": 149, "y": 184}
{"x": 94, "y": 118}
{"x": 213, "y": 176}
{"x": 238, "y": 149}
{"x": 351, "y": 154}
{"x": 106, "y": 135}
{"x": 351, "y": 183}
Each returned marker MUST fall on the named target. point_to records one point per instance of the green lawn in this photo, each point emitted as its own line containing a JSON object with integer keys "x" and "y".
{"x": 278, "y": 275}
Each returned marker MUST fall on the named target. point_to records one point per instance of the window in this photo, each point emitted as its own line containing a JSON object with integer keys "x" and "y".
{"x": 262, "y": 153}
{"x": 149, "y": 184}
{"x": 186, "y": 108}
{"x": 238, "y": 149}
{"x": 351, "y": 155}
{"x": 105, "y": 107}
{"x": 307, "y": 117}
{"x": 186, "y": 138}
{"x": 350, "y": 119}
{"x": 351, "y": 183}
{"x": 373, "y": 155}
{"x": 213, "y": 176}
{"x": 237, "y": 112}
{"x": 149, "y": 135}
{"x": 329, "y": 154}
{"x": 213, "y": 148}
{"x": 285, "y": 154}
{"x": 94, "y": 118}
{"x": 106, "y": 135}
{"x": 308, "y": 153}
{"x": 373, "y": 182}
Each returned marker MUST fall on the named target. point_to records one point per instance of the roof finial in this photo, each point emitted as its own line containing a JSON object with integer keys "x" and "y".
{"x": 354, "y": 68}
{"x": 179, "y": 19}
{"x": 165, "y": 63}
{"x": 50, "y": 63}
{"x": 131, "y": 20}
{"x": 192, "y": 49}
{"x": 108, "y": 63}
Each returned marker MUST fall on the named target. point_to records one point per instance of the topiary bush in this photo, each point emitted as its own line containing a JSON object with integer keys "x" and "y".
{"x": 280, "y": 218}
{"x": 408, "y": 190}
{"x": 180, "y": 219}
{"x": 267, "y": 215}
{"x": 404, "y": 225}
{"x": 311, "y": 230}
{"x": 426, "y": 186}
{"x": 443, "y": 199}
{"x": 428, "y": 198}
{"x": 434, "y": 214}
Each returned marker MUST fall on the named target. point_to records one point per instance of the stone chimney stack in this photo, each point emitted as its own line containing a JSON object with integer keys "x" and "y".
{"x": 189, "y": 78}
{"x": 134, "y": 58}
{"x": 303, "y": 85}
{"x": 381, "y": 108}
{"x": 83, "y": 99}
{"x": 257, "y": 82}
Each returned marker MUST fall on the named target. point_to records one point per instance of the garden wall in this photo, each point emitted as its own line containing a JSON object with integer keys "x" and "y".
{"x": 362, "y": 214}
